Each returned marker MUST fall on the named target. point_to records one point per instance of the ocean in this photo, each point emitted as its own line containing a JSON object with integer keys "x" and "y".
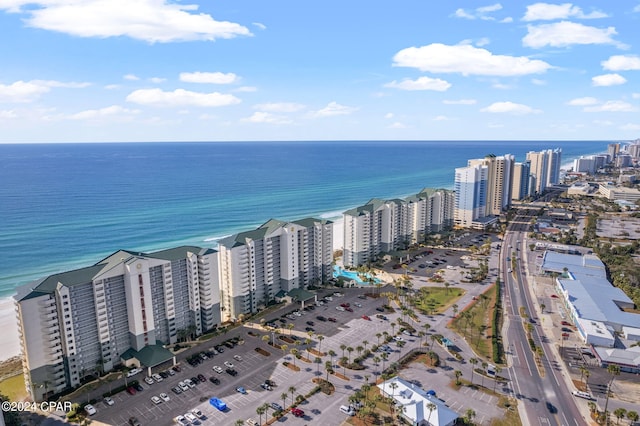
{"x": 64, "y": 206}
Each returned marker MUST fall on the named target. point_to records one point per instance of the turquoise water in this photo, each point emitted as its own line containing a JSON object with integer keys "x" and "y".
{"x": 350, "y": 275}
{"x": 64, "y": 206}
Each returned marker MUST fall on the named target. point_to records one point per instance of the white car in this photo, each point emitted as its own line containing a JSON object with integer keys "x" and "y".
{"x": 237, "y": 357}
{"x": 336, "y": 294}
{"x": 585, "y": 395}
{"x": 190, "y": 383}
{"x": 156, "y": 400}
{"x": 297, "y": 313}
{"x": 149, "y": 380}
{"x": 328, "y": 298}
{"x": 320, "y": 303}
{"x": 108, "y": 400}
{"x": 191, "y": 418}
{"x": 183, "y": 386}
{"x": 339, "y": 308}
{"x": 181, "y": 421}
{"x": 171, "y": 372}
{"x": 90, "y": 409}
{"x": 229, "y": 364}
{"x": 217, "y": 369}
{"x": 357, "y": 305}
{"x": 157, "y": 377}
{"x": 197, "y": 413}
{"x": 164, "y": 397}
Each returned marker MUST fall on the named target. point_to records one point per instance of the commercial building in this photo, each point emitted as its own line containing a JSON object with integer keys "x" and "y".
{"x": 417, "y": 406}
{"x": 600, "y": 311}
{"x": 277, "y": 256}
{"x": 123, "y": 309}
{"x": 382, "y": 226}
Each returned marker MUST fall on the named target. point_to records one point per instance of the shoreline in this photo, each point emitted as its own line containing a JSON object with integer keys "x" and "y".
{"x": 9, "y": 340}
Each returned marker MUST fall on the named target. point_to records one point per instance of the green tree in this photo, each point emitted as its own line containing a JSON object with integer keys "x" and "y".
{"x": 292, "y": 390}
{"x": 458, "y": 374}
{"x": 633, "y": 416}
{"x": 260, "y": 411}
{"x": 473, "y": 362}
{"x": 619, "y": 413}
{"x": 614, "y": 370}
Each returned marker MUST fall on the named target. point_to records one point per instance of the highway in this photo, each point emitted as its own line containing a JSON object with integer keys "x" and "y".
{"x": 545, "y": 396}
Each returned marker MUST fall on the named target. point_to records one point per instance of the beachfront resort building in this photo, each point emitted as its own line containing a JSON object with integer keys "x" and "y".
{"x": 499, "y": 182}
{"x": 520, "y": 182}
{"x": 417, "y": 406}
{"x": 470, "y": 195}
{"x": 123, "y": 309}
{"x": 544, "y": 168}
{"x": 382, "y": 226}
{"x": 278, "y": 256}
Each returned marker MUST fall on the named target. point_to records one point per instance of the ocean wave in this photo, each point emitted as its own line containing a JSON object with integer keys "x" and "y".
{"x": 332, "y": 215}
{"x": 216, "y": 239}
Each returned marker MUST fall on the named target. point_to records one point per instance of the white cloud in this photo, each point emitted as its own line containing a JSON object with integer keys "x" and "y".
{"x": 635, "y": 95}
{"x": 510, "y": 108}
{"x": 131, "y": 77}
{"x": 29, "y": 91}
{"x": 334, "y": 108}
{"x": 608, "y": 80}
{"x": 483, "y": 41}
{"x": 507, "y": 20}
{"x": 583, "y": 101}
{"x": 149, "y": 20}
{"x": 466, "y": 60}
{"x": 562, "y": 34}
{"x": 622, "y": 63}
{"x": 637, "y": 8}
{"x": 630, "y": 126}
{"x": 280, "y": 107}
{"x": 478, "y": 13}
{"x": 538, "y": 82}
{"x": 208, "y": 77}
{"x": 388, "y": 115}
{"x": 114, "y": 110}
{"x": 180, "y": 97}
{"x": 7, "y": 114}
{"x": 501, "y": 86}
{"x": 397, "y": 125}
{"x": 460, "y": 102}
{"x": 268, "y": 118}
{"x": 112, "y": 86}
{"x": 441, "y": 118}
{"x": 246, "y": 89}
{"x": 259, "y": 25}
{"x": 422, "y": 83}
{"x": 157, "y": 80}
{"x": 612, "y": 106}
{"x": 550, "y": 12}
{"x": 603, "y": 122}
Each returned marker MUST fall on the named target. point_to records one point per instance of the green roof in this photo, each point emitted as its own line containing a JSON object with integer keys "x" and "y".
{"x": 300, "y": 294}
{"x": 149, "y": 356}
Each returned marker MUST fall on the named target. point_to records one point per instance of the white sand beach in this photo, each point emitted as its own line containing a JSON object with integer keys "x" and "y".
{"x": 9, "y": 342}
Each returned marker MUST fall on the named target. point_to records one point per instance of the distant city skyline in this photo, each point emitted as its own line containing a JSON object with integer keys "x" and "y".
{"x": 158, "y": 70}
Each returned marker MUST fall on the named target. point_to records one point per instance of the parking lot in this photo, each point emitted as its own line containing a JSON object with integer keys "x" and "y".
{"x": 349, "y": 329}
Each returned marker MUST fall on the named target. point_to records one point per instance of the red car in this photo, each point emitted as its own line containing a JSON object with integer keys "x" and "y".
{"x": 345, "y": 305}
{"x": 364, "y": 317}
{"x": 566, "y": 323}
{"x": 332, "y": 319}
{"x": 131, "y": 390}
{"x": 297, "y": 412}
{"x": 348, "y": 309}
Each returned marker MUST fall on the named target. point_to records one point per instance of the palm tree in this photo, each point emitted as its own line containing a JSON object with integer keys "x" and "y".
{"x": 359, "y": 349}
{"x": 469, "y": 415}
{"x": 484, "y": 364}
{"x": 384, "y": 356}
{"x": 239, "y": 422}
{"x": 455, "y": 309}
{"x": 498, "y": 370}
{"x": 633, "y": 416}
{"x": 283, "y": 397}
{"x": 292, "y": 390}
{"x": 614, "y": 370}
{"x": 266, "y": 338}
{"x": 328, "y": 366}
{"x": 378, "y": 335}
{"x": 393, "y": 386}
{"x": 260, "y": 411}
{"x": 473, "y": 362}
{"x": 320, "y": 339}
{"x": 344, "y": 362}
{"x": 393, "y": 328}
{"x": 619, "y": 413}
{"x": 332, "y": 354}
{"x": 307, "y": 342}
{"x": 365, "y": 343}
{"x": 542, "y": 307}
{"x": 430, "y": 406}
{"x": 266, "y": 409}
{"x": 349, "y": 349}
{"x": 317, "y": 360}
{"x": 458, "y": 374}
{"x": 294, "y": 352}
{"x": 290, "y": 326}
{"x": 343, "y": 347}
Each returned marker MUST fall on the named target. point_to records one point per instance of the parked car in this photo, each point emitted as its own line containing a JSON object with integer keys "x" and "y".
{"x": 332, "y": 319}
{"x": 108, "y": 400}
{"x": 183, "y": 386}
{"x": 265, "y": 386}
{"x": 237, "y": 357}
{"x": 276, "y": 406}
{"x": 270, "y": 382}
{"x": 131, "y": 390}
{"x": 176, "y": 368}
{"x": 241, "y": 390}
{"x": 214, "y": 380}
{"x": 217, "y": 369}
{"x": 297, "y": 412}
{"x": 380, "y": 309}
{"x": 365, "y": 317}
{"x": 149, "y": 380}
{"x": 310, "y": 323}
{"x": 164, "y": 397}
{"x": 229, "y": 364}
{"x": 191, "y": 418}
{"x": 157, "y": 377}
{"x": 90, "y": 409}
{"x": 231, "y": 372}
{"x": 321, "y": 318}
{"x": 156, "y": 400}
{"x": 202, "y": 378}
{"x": 176, "y": 390}
{"x": 133, "y": 421}
{"x": 138, "y": 387}
{"x": 197, "y": 413}
{"x": 348, "y": 309}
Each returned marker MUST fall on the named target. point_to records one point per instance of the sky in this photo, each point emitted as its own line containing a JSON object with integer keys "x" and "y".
{"x": 253, "y": 70}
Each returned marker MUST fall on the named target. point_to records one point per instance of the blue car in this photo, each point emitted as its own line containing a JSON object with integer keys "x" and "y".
{"x": 241, "y": 390}
{"x": 218, "y": 403}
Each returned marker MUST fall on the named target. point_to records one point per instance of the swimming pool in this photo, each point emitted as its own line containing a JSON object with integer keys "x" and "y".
{"x": 350, "y": 275}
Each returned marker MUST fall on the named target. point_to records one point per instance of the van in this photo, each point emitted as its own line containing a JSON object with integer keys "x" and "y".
{"x": 349, "y": 411}
{"x": 581, "y": 394}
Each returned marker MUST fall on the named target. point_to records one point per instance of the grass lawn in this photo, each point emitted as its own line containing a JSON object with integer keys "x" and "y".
{"x": 13, "y": 387}
{"x": 475, "y": 323}
{"x": 434, "y": 300}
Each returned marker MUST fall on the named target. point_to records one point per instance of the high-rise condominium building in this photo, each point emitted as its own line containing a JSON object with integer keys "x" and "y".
{"x": 521, "y": 178}
{"x": 381, "y": 226}
{"x": 256, "y": 265}
{"x": 499, "y": 181}
{"x": 613, "y": 149}
{"x": 545, "y": 168}
{"x": 125, "y": 306}
{"x": 470, "y": 188}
